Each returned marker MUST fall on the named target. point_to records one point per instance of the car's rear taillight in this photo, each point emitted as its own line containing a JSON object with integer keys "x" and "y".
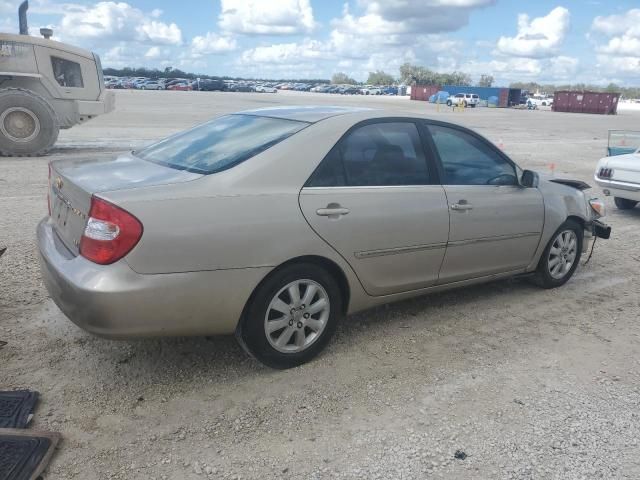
{"x": 605, "y": 172}
{"x": 110, "y": 233}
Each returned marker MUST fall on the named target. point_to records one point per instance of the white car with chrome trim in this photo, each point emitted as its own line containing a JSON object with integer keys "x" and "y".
{"x": 619, "y": 177}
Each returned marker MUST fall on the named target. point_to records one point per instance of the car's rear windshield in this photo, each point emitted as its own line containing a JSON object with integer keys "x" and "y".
{"x": 221, "y": 143}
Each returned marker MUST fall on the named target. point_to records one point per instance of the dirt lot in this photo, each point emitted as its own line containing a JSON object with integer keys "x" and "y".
{"x": 528, "y": 383}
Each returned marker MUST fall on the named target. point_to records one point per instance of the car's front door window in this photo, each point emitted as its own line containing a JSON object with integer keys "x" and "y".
{"x": 468, "y": 160}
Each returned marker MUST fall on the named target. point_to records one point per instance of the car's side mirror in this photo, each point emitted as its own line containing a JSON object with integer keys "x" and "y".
{"x": 530, "y": 179}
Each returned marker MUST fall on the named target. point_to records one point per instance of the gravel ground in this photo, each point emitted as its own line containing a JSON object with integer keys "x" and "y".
{"x": 527, "y": 383}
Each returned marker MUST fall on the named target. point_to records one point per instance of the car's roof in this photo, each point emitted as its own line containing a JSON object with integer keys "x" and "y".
{"x": 310, "y": 113}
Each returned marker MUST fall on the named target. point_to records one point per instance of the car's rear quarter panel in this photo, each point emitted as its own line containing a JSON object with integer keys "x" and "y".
{"x": 243, "y": 218}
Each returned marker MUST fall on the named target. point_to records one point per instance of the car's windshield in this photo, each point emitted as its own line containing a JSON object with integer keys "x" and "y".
{"x": 221, "y": 143}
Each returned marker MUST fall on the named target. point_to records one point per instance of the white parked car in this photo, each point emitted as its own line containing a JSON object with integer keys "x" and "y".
{"x": 152, "y": 86}
{"x": 466, "y": 99}
{"x": 265, "y": 89}
{"x": 371, "y": 91}
{"x": 540, "y": 101}
{"x": 619, "y": 177}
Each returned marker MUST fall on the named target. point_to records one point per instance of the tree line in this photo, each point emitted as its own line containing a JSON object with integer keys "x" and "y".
{"x": 627, "y": 92}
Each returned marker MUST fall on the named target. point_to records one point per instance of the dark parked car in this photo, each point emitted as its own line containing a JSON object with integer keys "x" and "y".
{"x": 241, "y": 87}
{"x": 350, "y": 91}
{"x": 212, "y": 85}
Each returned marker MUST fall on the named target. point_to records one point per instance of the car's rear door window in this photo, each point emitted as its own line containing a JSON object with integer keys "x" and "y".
{"x": 221, "y": 143}
{"x": 377, "y": 154}
{"x": 469, "y": 160}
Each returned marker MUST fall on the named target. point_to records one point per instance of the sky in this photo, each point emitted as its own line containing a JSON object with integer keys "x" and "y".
{"x": 573, "y": 41}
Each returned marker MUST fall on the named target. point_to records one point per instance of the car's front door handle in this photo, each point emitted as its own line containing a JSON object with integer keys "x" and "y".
{"x": 462, "y": 206}
{"x": 333, "y": 210}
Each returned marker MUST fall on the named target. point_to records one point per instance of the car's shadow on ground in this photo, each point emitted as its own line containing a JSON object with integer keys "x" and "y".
{"x": 631, "y": 213}
{"x": 220, "y": 359}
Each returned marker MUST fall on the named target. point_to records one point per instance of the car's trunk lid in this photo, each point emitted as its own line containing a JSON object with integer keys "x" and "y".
{"x": 72, "y": 183}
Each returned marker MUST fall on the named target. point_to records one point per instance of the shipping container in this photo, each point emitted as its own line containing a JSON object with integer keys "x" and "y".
{"x": 506, "y": 96}
{"x": 602, "y": 103}
{"x": 423, "y": 92}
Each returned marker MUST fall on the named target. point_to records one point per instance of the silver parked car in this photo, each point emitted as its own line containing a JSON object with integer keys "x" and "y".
{"x": 273, "y": 224}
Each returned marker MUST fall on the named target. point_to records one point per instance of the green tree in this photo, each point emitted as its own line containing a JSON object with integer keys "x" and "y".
{"x": 380, "y": 78}
{"x": 341, "y": 78}
{"x": 485, "y": 80}
{"x": 612, "y": 87}
{"x": 417, "y": 75}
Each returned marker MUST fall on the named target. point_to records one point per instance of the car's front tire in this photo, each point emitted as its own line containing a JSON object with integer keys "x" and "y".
{"x": 292, "y": 316}
{"x": 561, "y": 256}
{"x": 624, "y": 203}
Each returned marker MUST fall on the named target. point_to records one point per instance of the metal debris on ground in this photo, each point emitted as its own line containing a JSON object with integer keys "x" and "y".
{"x": 460, "y": 455}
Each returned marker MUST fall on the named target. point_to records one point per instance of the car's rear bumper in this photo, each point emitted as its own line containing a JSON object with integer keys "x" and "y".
{"x": 116, "y": 302}
{"x": 616, "y": 188}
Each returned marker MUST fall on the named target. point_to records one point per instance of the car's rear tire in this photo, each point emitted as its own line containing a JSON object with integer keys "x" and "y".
{"x": 561, "y": 256}
{"x": 283, "y": 329}
{"x": 448, "y": 103}
{"x": 624, "y": 203}
{"x": 28, "y": 124}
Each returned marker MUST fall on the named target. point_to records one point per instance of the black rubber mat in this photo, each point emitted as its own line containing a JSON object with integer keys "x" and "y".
{"x": 25, "y": 454}
{"x": 15, "y": 408}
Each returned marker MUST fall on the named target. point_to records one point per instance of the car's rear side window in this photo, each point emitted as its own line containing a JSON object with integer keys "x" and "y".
{"x": 378, "y": 154}
{"x": 221, "y": 143}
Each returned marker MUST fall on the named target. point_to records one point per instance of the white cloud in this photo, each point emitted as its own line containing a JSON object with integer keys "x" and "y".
{"x": 212, "y": 43}
{"x": 416, "y": 16}
{"x": 9, "y": 6}
{"x": 260, "y": 17}
{"x": 538, "y": 38}
{"x": 510, "y": 69}
{"x": 625, "y": 66}
{"x": 623, "y": 45}
{"x": 628, "y": 22}
{"x": 358, "y": 55}
{"x": 106, "y": 22}
{"x": 159, "y": 32}
{"x": 287, "y": 53}
{"x": 156, "y": 53}
{"x": 619, "y": 54}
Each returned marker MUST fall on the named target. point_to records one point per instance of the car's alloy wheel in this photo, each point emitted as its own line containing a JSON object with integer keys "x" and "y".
{"x": 291, "y": 316}
{"x": 297, "y": 316}
{"x": 562, "y": 254}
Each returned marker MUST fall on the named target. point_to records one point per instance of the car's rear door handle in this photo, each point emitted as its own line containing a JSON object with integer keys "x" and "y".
{"x": 462, "y": 206}
{"x": 333, "y": 210}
